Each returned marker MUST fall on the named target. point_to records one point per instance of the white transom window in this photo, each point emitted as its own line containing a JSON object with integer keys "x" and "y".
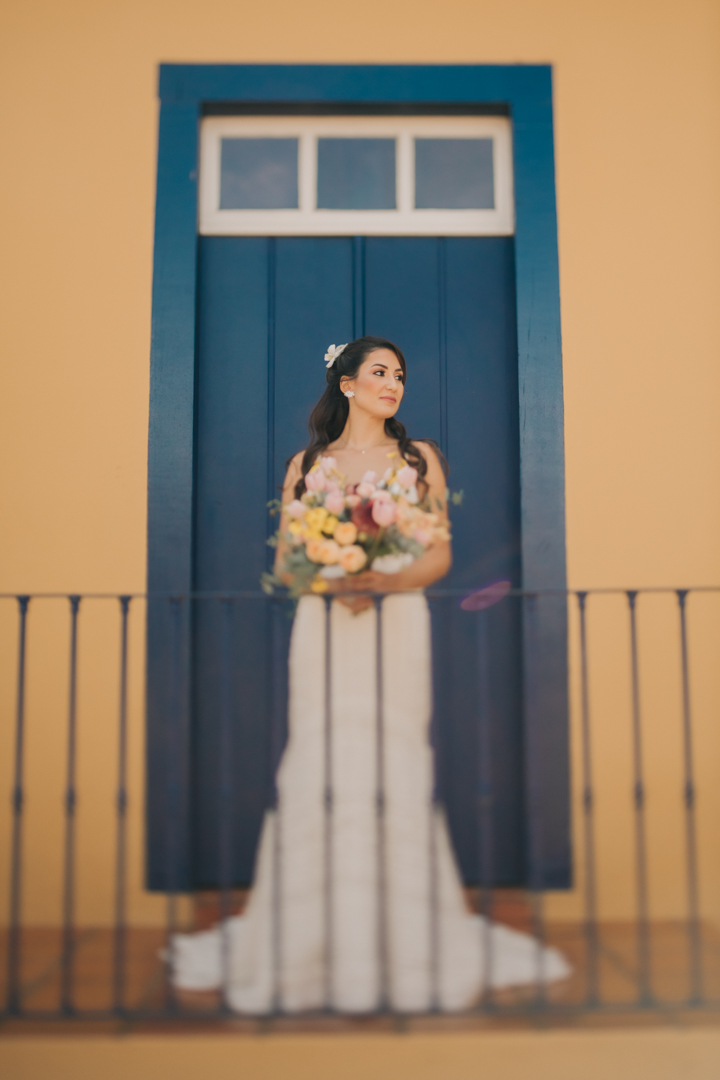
{"x": 394, "y": 175}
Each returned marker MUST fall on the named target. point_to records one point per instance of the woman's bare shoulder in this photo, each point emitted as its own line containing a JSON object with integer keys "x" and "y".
{"x": 292, "y": 475}
{"x": 429, "y": 452}
{"x": 294, "y": 466}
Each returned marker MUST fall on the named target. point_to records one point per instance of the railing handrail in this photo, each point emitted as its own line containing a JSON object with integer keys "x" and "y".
{"x": 258, "y": 594}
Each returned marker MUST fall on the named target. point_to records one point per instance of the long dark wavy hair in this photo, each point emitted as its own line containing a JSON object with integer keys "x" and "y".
{"x": 328, "y": 418}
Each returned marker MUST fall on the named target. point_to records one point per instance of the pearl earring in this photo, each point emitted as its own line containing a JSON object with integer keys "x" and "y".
{"x": 349, "y": 393}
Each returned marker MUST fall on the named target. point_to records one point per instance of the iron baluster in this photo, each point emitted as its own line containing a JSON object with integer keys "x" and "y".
{"x": 68, "y": 947}
{"x": 225, "y": 793}
{"x": 487, "y": 811}
{"x": 328, "y": 905}
{"x": 173, "y": 797}
{"x": 381, "y": 853}
{"x": 276, "y": 701}
{"x": 121, "y": 802}
{"x": 433, "y": 882}
{"x": 591, "y": 927}
{"x": 689, "y": 793}
{"x": 14, "y": 1000}
{"x": 536, "y": 877}
{"x": 643, "y": 927}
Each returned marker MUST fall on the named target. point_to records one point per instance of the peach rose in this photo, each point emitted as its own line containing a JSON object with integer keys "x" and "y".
{"x": 383, "y": 513}
{"x": 335, "y": 502}
{"x": 329, "y": 552}
{"x": 346, "y": 533}
{"x": 423, "y": 536}
{"x": 312, "y": 549}
{"x": 406, "y": 519}
{"x": 352, "y": 558}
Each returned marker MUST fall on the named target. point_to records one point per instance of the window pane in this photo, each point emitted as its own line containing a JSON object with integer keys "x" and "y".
{"x": 259, "y": 174}
{"x": 454, "y": 174}
{"x": 356, "y": 174}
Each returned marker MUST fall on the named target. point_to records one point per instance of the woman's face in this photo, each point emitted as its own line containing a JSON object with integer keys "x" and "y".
{"x": 378, "y": 385}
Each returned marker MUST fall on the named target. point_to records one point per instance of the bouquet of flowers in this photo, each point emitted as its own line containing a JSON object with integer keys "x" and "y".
{"x": 338, "y": 529}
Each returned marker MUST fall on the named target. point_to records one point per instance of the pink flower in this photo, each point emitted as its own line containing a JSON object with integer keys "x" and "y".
{"x": 365, "y": 489}
{"x": 407, "y": 476}
{"x": 315, "y": 480}
{"x": 352, "y": 558}
{"x": 381, "y": 495}
{"x": 383, "y": 513}
{"x": 370, "y": 477}
{"x": 423, "y": 536}
{"x": 295, "y": 509}
{"x": 352, "y": 501}
{"x": 335, "y": 502}
{"x": 328, "y": 464}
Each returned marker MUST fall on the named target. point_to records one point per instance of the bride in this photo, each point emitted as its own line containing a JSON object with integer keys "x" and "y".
{"x": 357, "y": 903}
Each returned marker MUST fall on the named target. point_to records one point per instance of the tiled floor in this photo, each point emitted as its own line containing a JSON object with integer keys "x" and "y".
{"x": 145, "y": 987}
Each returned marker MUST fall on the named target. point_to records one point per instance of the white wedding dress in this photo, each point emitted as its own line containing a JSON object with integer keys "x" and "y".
{"x": 353, "y": 908}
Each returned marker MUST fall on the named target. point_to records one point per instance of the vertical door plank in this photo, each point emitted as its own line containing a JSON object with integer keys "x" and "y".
{"x": 402, "y": 304}
{"x": 230, "y": 549}
{"x": 483, "y": 449}
{"x": 313, "y": 309}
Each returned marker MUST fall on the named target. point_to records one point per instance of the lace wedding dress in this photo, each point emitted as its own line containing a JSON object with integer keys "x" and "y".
{"x": 354, "y": 908}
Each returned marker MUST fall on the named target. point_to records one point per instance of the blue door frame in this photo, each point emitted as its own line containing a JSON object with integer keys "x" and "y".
{"x": 525, "y": 94}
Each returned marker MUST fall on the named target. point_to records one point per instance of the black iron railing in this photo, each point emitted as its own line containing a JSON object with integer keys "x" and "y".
{"x": 636, "y": 961}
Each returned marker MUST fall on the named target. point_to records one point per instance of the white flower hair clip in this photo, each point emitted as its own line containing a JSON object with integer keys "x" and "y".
{"x": 332, "y": 354}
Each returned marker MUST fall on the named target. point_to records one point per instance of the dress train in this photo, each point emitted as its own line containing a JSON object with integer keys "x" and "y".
{"x": 357, "y": 902}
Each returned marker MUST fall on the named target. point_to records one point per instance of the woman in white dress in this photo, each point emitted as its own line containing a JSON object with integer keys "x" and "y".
{"x": 357, "y": 903}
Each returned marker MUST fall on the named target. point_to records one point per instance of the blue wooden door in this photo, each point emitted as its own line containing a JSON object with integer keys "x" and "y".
{"x": 268, "y": 307}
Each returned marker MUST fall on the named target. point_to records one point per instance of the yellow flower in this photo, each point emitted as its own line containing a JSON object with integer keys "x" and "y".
{"x": 319, "y": 585}
{"x": 330, "y": 525}
{"x": 315, "y": 518}
{"x": 295, "y": 528}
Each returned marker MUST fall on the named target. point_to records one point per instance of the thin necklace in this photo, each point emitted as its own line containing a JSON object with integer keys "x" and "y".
{"x": 357, "y": 450}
